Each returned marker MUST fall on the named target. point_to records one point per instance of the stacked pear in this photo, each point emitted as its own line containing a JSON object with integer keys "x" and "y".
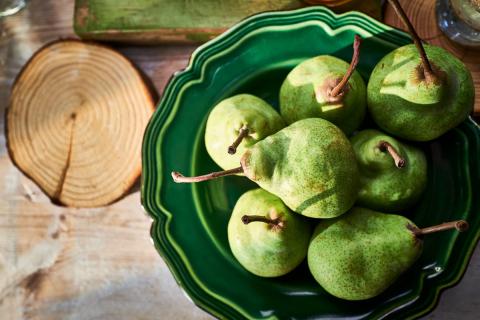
{"x": 325, "y": 87}
{"x": 310, "y": 165}
{"x": 266, "y": 237}
{"x": 360, "y": 254}
{"x": 237, "y": 123}
{"x": 393, "y": 174}
{"x": 419, "y": 92}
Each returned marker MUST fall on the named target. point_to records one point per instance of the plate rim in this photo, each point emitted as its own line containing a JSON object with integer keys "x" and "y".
{"x": 164, "y": 116}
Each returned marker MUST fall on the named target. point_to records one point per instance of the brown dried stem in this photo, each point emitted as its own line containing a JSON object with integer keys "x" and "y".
{"x": 243, "y": 132}
{"x": 386, "y": 146}
{"x": 246, "y": 219}
{"x": 427, "y": 67}
{"x": 460, "y": 225}
{"x": 340, "y": 87}
{"x": 180, "y": 178}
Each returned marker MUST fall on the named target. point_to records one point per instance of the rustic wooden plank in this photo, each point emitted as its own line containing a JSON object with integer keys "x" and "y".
{"x": 150, "y": 21}
{"x": 422, "y": 15}
{"x": 166, "y": 20}
{"x": 59, "y": 263}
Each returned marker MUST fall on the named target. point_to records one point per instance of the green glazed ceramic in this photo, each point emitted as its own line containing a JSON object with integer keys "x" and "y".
{"x": 190, "y": 220}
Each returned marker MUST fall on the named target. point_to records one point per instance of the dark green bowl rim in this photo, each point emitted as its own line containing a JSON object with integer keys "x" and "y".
{"x": 166, "y": 111}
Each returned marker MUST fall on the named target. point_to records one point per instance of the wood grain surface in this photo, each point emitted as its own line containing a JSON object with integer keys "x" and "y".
{"x": 60, "y": 263}
{"x": 75, "y": 122}
{"x": 166, "y": 20}
{"x": 180, "y": 21}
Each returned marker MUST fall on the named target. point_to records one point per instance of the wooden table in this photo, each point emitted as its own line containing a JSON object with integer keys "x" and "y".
{"x": 60, "y": 263}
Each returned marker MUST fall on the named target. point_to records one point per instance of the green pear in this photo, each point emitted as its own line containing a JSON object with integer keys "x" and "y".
{"x": 393, "y": 175}
{"x": 325, "y": 87}
{"x": 237, "y": 123}
{"x": 310, "y": 165}
{"x": 360, "y": 254}
{"x": 265, "y": 236}
{"x": 419, "y": 92}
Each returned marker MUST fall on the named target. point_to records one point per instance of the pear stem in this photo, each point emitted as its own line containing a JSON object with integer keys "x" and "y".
{"x": 460, "y": 225}
{"x": 241, "y": 134}
{"x": 180, "y": 178}
{"x": 427, "y": 67}
{"x": 386, "y": 146}
{"x": 353, "y": 64}
{"x": 246, "y": 219}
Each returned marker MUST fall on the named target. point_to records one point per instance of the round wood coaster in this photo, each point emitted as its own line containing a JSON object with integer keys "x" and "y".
{"x": 75, "y": 122}
{"x": 423, "y": 17}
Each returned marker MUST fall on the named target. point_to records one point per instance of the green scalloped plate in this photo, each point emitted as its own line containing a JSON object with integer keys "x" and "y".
{"x": 190, "y": 221}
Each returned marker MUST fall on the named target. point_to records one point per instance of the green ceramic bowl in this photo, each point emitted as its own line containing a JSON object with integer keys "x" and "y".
{"x": 190, "y": 221}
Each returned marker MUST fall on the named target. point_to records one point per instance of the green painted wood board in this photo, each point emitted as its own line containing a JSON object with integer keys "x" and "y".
{"x": 151, "y": 21}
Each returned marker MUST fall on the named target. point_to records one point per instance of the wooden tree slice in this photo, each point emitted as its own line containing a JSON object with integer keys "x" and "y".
{"x": 75, "y": 122}
{"x": 423, "y": 17}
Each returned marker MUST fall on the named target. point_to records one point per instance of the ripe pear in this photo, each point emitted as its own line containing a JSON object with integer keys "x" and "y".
{"x": 265, "y": 236}
{"x": 360, "y": 254}
{"x": 393, "y": 175}
{"x": 418, "y": 92}
{"x": 325, "y": 87}
{"x": 235, "y": 124}
{"x": 310, "y": 165}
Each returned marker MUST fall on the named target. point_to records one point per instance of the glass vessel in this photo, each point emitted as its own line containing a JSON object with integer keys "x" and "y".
{"x": 9, "y": 7}
{"x": 460, "y": 21}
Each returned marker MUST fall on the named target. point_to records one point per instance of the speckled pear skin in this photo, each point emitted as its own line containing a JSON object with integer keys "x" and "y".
{"x": 409, "y": 108}
{"x": 310, "y": 165}
{"x": 360, "y": 254}
{"x": 261, "y": 249}
{"x": 303, "y": 94}
{"x": 383, "y": 186}
{"x": 228, "y": 117}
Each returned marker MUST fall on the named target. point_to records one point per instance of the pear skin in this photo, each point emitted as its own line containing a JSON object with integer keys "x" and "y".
{"x": 229, "y": 117}
{"x": 360, "y": 254}
{"x": 403, "y": 103}
{"x": 267, "y": 249}
{"x": 387, "y": 184}
{"x": 310, "y": 165}
{"x": 306, "y": 93}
